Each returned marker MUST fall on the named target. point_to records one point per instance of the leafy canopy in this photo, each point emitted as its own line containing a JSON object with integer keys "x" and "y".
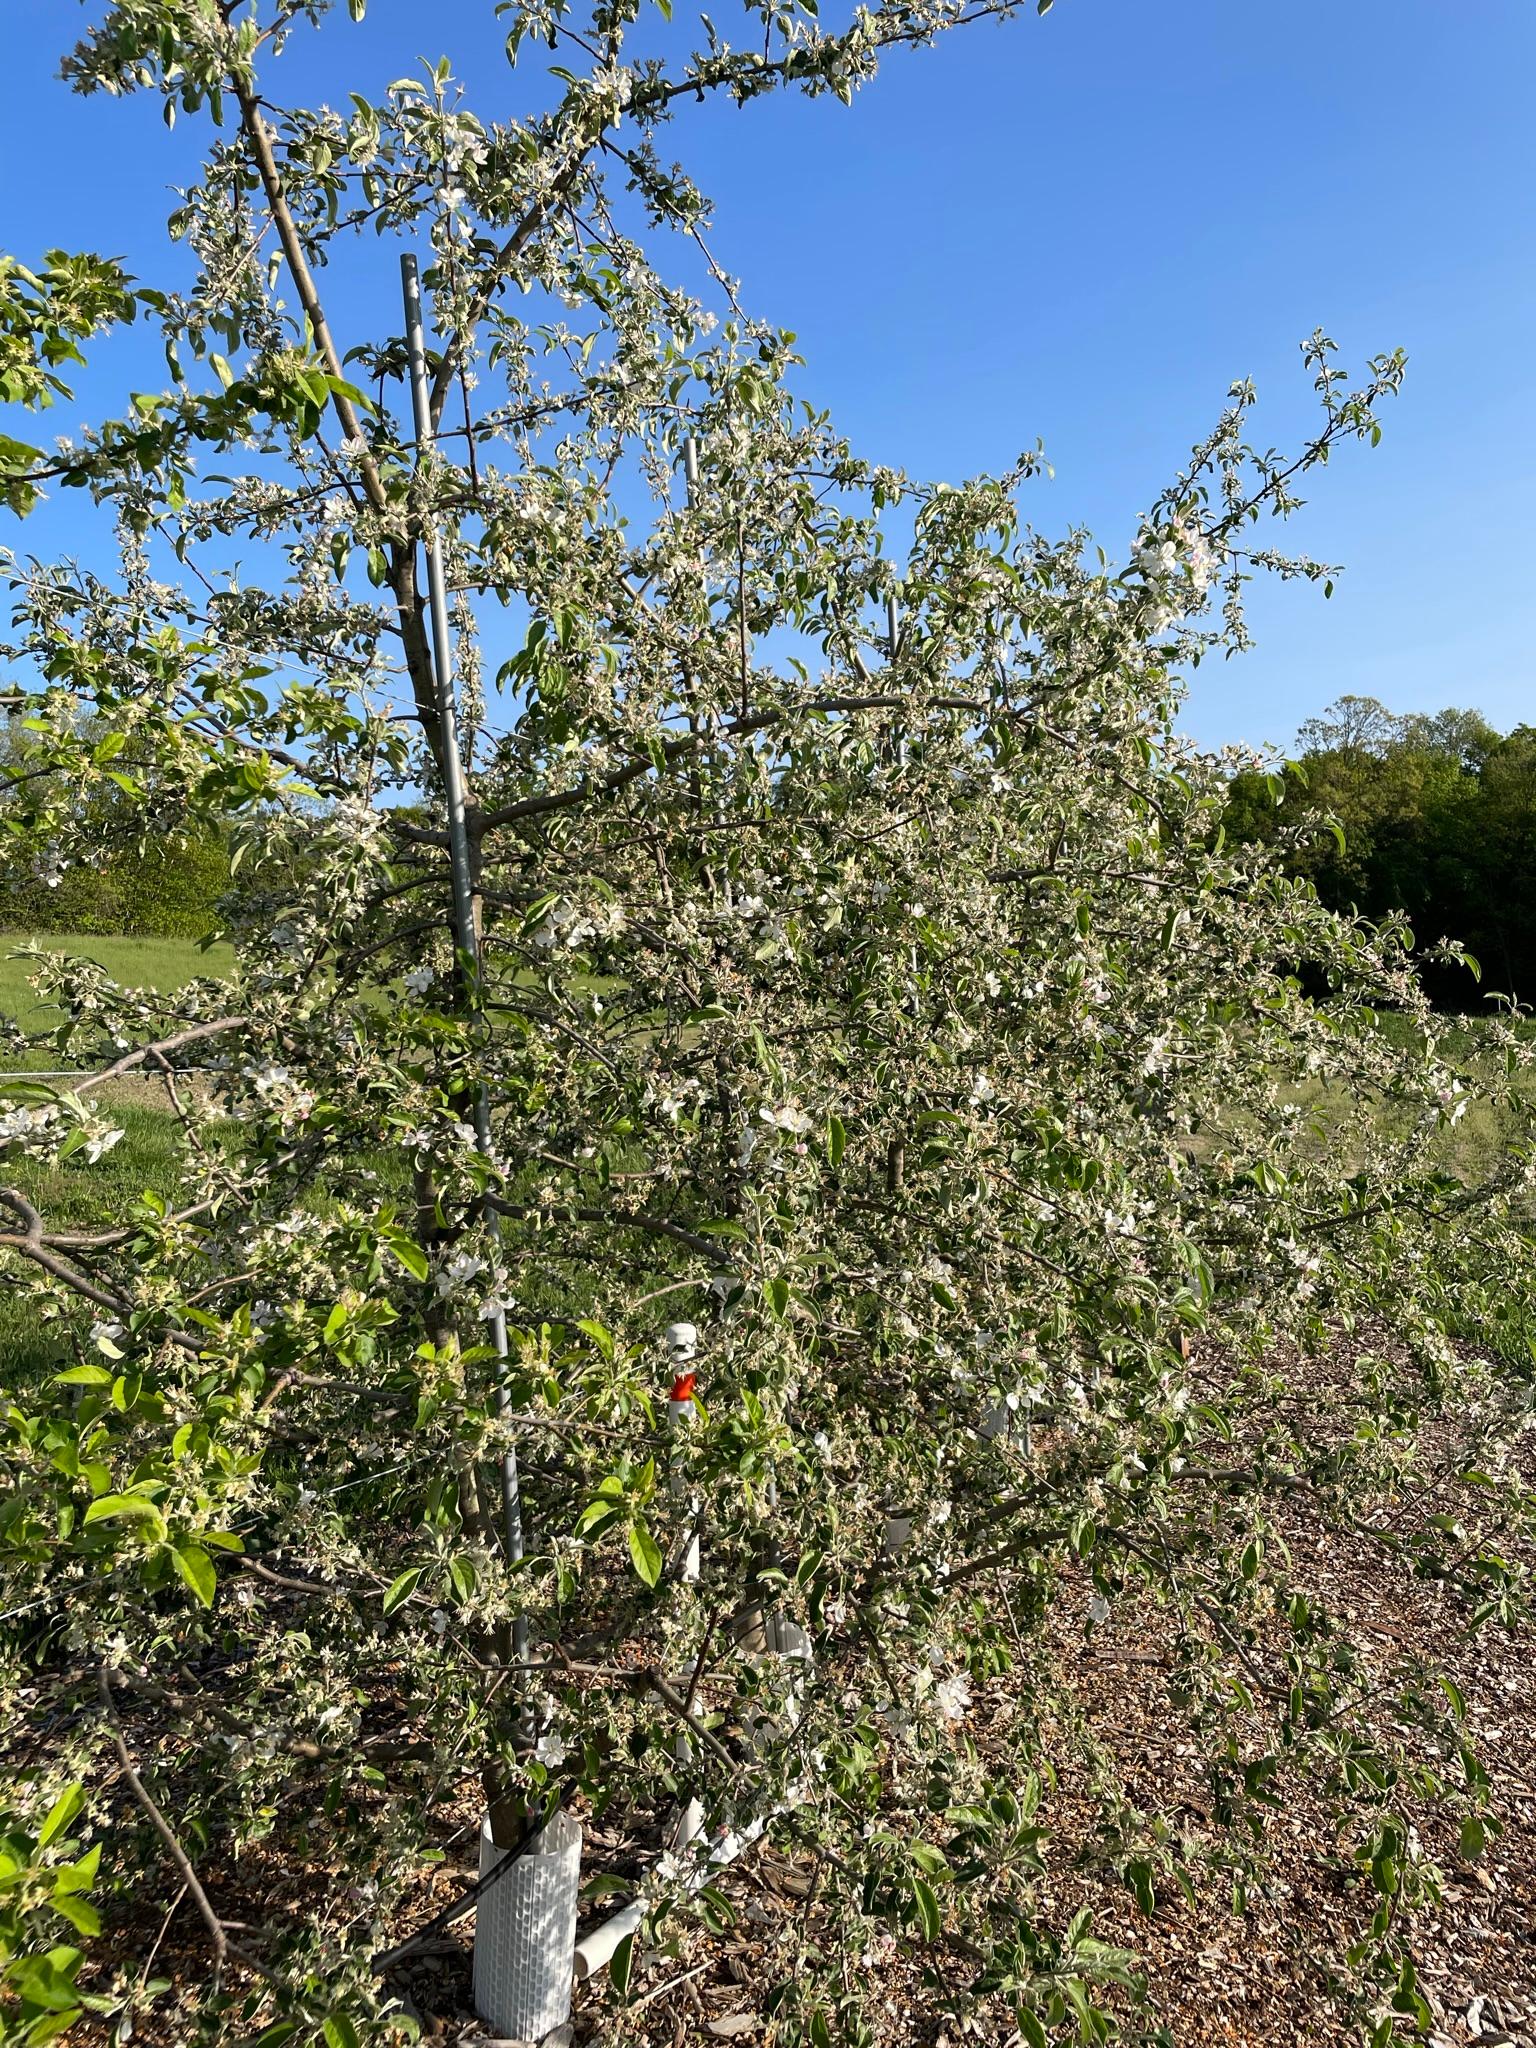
{"x": 870, "y": 1015}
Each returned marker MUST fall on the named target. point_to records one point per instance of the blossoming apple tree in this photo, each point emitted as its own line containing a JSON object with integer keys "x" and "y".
{"x": 867, "y": 1014}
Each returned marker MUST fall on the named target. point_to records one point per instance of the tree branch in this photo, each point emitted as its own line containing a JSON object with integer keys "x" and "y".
{"x": 162, "y": 1827}
{"x": 191, "y": 1036}
{"x": 686, "y": 743}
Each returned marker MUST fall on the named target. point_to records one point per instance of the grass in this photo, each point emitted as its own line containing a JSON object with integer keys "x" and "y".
{"x": 77, "y": 1196}
{"x": 162, "y": 964}
{"x": 1470, "y": 1149}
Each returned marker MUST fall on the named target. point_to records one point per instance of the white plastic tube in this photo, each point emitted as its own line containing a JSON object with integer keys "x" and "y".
{"x": 681, "y": 1340}
{"x": 766, "y": 1634}
{"x": 525, "y": 1932}
{"x": 595, "y": 1950}
{"x": 679, "y": 1415}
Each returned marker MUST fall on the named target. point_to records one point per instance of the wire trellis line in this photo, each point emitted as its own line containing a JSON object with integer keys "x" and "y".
{"x": 88, "y": 1073}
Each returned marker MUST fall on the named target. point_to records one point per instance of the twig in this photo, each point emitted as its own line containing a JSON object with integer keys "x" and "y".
{"x": 675, "y": 1703}
{"x": 161, "y": 1046}
{"x": 165, "y": 1928}
{"x": 263, "y": 1571}
{"x": 672, "y": 1984}
{"x": 29, "y": 1242}
{"x": 698, "y": 1664}
{"x": 162, "y": 1827}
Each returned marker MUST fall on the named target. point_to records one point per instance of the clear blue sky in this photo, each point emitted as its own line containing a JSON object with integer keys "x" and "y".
{"x": 1080, "y": 228}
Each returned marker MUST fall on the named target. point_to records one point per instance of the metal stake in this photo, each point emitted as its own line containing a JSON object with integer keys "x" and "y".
{"x": 466, "y": 931}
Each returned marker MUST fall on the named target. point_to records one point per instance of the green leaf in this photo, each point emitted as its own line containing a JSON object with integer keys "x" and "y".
{"x": 338, "y": 2030}
{"x": 16, "y": 457}
{"x": 196, "y": 1568}
{"x": 128, "y": 1507}
{"x": 1138, "y": 1876}
{"x": 80, "y": 1875}
{"x": 61, "y": 1815}
{"x": 1031, "y": 2032}
{"x": 620, "y": 1963}
{"x": 49, "y": 1981}
{"x": 83, "y": 1376}
{"x": 644, "y": 1554}
{"x": 597, "y": 1518}
{"x": 837, "y": 1140}
{"x": 600, "y": 1336}
{"x": 927, "y": 1907}
{"x": 80, "y": 1913}
{"x": 409, "y": 1253}
{"x": 403, "y": 1588}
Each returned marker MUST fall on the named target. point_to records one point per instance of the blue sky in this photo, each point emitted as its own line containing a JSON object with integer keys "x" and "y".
{"x": 1079, "y": 228}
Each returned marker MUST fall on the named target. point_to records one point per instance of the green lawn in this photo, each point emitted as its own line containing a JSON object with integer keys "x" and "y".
{"x": 143, "y": 963}
{"x": 76, "y": 1195}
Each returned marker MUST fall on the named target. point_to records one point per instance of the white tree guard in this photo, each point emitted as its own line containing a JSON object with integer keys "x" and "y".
{"x": 525, "y": 1933}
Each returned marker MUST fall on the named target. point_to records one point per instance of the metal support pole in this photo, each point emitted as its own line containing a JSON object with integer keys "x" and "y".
{"x": 466, "y": 928}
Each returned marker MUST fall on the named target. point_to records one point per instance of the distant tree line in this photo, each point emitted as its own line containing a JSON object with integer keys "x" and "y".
{"x": 1437, "y": 814}
{"x": 1437, "y": 818}
{"x": 159, "y": 882}
{"x": 158, "y": 889}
